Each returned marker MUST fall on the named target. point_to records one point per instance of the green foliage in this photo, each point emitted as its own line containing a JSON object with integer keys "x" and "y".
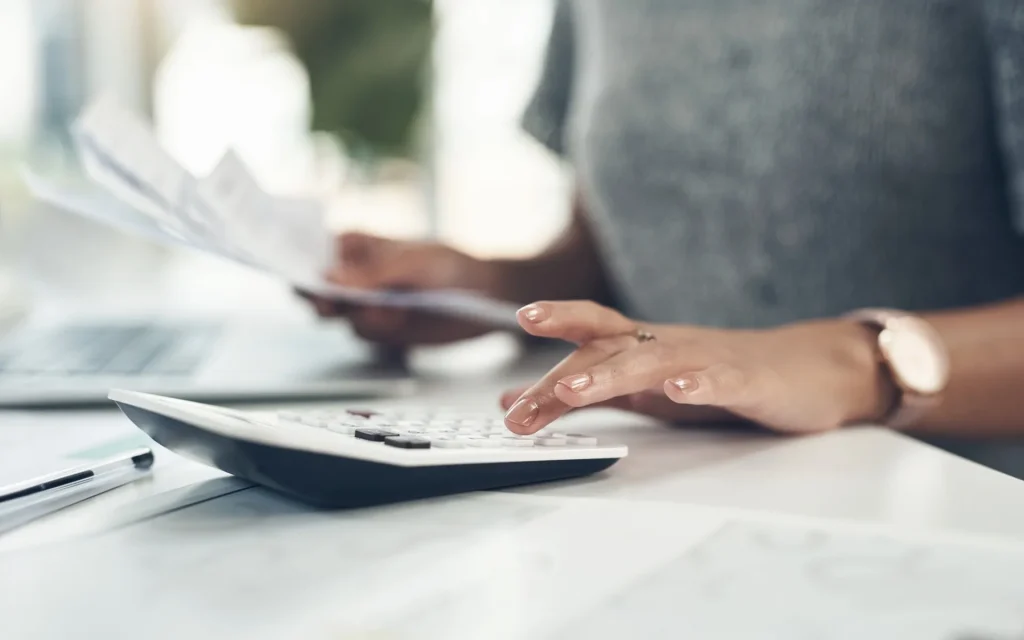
{"x": 368, "y": 62}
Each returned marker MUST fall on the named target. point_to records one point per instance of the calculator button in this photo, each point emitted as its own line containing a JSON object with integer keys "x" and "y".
{"x": 443, "y": 424}
{"x": 375, "y": 435}
{"x": 407, "y": 442}
{"x": 342, "y": 428}
{"x": 551, "y": 440}
{"x": 474, "y": 440}
{"x": 514, "y": 441}
{"x": 581, "y": 440}
{"x": 439, "y": 430}
{"x": 447, "y": 443}
{"x": 483, "y": 443}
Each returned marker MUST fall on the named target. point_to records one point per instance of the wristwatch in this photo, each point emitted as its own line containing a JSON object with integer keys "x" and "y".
{"x": 915, "y": 357}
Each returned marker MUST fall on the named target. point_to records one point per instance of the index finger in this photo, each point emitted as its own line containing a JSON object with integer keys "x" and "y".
{"x": 539, "y": 406}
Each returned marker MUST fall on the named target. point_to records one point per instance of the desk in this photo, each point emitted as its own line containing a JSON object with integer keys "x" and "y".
{"x": 195, "y": 573}
{"x": 168, "y": 558}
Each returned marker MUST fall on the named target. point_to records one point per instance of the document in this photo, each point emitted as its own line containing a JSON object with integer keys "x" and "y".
{"x": 512, "y": 567}
{"x": 137, "y": 187}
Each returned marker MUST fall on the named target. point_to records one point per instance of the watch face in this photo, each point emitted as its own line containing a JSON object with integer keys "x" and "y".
{"x": 916, "y": 355}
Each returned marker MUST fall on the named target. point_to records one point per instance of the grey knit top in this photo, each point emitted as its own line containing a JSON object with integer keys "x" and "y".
{"x": 751, "y": 162}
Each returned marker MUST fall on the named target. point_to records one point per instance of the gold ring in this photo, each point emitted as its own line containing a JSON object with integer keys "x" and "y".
{"x": 643, "y": 335}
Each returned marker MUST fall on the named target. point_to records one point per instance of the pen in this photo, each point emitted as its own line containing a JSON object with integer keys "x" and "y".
{"x": 139, "y": 459}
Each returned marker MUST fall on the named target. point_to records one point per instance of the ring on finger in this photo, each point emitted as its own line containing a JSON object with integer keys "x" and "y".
{"x": 643, "y": 335}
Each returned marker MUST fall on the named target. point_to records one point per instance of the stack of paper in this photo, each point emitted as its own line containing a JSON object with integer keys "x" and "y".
{"x": 141, "y": 189}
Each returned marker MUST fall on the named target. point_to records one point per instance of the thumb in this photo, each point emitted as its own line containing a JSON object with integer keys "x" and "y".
{"x": 367, "y": 261}
{"x": 354, "y": 250}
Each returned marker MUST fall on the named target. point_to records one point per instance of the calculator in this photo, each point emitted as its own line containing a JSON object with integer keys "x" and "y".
{"x": 361, "y": 457}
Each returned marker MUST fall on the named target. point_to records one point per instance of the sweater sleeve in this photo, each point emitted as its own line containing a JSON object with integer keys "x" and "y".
{"x": 1004, "y": 24}
{"x": 546, "y": 114}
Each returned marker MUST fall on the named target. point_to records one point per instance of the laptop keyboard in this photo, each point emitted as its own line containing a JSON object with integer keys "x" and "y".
{"x": 109, "y": 350}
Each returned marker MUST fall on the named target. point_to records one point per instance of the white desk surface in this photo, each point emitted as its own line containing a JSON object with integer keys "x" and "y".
{"x": 159, "y": 559}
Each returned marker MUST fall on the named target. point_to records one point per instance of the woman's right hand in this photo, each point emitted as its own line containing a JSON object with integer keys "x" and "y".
{"x": 371, "y": 262}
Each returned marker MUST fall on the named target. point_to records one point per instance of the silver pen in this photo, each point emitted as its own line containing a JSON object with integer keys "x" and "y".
{"x": 25, "y": 501}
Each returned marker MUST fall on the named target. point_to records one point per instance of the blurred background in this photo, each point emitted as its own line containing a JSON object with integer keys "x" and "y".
{"x": 400, "y": 115}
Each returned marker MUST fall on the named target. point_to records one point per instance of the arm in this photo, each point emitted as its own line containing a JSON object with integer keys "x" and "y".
{"x": 985, "y": 396}
{"x": 799, "y": 378}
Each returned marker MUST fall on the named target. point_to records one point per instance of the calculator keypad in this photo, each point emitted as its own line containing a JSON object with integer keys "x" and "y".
{"x": 412, "y": 430}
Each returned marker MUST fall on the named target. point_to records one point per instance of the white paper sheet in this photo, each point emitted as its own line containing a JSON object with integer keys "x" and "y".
{"x": 507, "y": 567}
{"x": 100, "y": 206}
{"x": 226, "y": 214}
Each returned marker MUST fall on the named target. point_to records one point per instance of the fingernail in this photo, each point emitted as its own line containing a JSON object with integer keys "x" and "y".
{"x": 523, "y": 412}
{"x": 533, "y": 313}
{"x": 686, "y": 385}
{"x": 577, "y": 383}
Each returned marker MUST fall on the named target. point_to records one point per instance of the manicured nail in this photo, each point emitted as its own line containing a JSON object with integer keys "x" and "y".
{"x": 533, "y": 313}
{"x": 577, "y": 382}
{"x": 686, "y": 385}
{"x": 523, "y": 412}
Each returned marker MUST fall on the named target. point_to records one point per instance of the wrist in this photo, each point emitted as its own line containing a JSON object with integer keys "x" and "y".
{"x": 868, "y": 388}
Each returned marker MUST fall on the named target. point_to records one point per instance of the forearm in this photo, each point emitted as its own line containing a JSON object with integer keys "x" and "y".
{"x": 985, "y": 395}
{"x": 571, "y": 269}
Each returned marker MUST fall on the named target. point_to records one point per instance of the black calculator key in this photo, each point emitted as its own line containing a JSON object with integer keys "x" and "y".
{"x": 375, "y": 435}
{"x": 407, "y": 442}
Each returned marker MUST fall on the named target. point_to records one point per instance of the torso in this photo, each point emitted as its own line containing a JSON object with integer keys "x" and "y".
{"x": 750, "y": 162}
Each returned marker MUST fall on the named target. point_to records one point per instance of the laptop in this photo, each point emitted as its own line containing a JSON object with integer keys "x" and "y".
{"x": 225, "y": 361}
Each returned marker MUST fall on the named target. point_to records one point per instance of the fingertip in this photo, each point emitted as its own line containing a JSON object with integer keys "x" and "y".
{"x": 521, "y": 429}
{"x": 532, "y": 318}
{"x": 517, "y": 429}
{"x": 522, "y": 417}
{"x": 680, "y": 389}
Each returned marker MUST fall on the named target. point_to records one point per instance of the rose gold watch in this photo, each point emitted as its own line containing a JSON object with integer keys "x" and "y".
{"x": 916, "y": 359}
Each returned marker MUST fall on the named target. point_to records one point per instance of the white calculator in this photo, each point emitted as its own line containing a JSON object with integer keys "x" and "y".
{"x": 355, "y": 457}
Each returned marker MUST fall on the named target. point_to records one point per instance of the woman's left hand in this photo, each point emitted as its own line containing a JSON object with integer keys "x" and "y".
{"x": 798, "y": 378}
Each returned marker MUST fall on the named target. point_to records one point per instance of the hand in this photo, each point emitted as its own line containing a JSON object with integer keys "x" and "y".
{"x": 798, "y": 378}
{"x": 369, "y": 262}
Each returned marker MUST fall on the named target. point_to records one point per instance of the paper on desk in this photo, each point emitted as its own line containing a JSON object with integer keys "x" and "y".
{"x": 508, "y": 567}
{"x": 226, "y": 214}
